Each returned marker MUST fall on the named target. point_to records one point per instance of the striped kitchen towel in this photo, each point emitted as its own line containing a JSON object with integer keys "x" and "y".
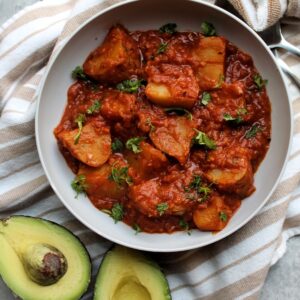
{"x": 234, "y": 268}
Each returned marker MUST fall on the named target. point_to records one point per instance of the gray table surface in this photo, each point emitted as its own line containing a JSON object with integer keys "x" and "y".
{"x": 283, "y": 280}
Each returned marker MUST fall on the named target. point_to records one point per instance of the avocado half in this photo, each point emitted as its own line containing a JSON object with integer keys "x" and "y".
{"x": 42, "y": 260}
{"x": 126, "y": 274}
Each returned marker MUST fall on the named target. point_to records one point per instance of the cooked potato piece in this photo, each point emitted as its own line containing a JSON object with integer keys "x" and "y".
{"x": 98, "y": 183}
{"x": 172, "y": 85}
{"x": 93, "y": 147}
{"x": 116, "y": 59}
{"x": 210, "y": 55}
{"x": 154, "y": 199}
{"x": 119, "y": 106}
{"x": 214, "y": 217}
{"x": 147, "y": 163}
{"x": 174, "y": 137}
{"x": 234, "y": 175}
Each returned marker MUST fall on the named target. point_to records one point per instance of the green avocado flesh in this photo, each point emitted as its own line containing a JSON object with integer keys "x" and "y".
{"x": 27, "y": 243}
{"x": 127, "y": 274}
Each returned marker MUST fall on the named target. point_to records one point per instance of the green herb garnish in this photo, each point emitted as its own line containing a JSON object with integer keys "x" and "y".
{"x": 203, "y": 140}
{"x": 195, "y": 183}
{"x": 220, "y": 81}
{"x": 78, "y": 184}
{"x": 223, "y": 216}
{"x": 78, "y": 73}
{"x": 260, "y": 83}
{"x": 240, "y": 112}
{"x": 162, "y": 207}
{"x": 117, "y": 145}
{"x": 180, "y": 111}
{"x": 117, "y": 212}
{"x": 137, "y": 228}
{"x": 183, "y": 224}
{"x": 80, "y": 119}
{"x": 162, "y": 48}
{"x": 253, "y": 131}
{"x": 133, "y": 144}
{"x": 168, "y": 28}
{"x": 208, "y": 29}
{"x": 205, "y": 98}
{"x": 130, "y": 85}
{"x": 204, "y": 191}
{"x": 149, "y": 123}
{"x": 94, "y": 107}
{"x": 120, "y": 175}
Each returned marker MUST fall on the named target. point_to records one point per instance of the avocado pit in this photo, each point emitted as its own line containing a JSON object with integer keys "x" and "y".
{"x": 44, "y": 264}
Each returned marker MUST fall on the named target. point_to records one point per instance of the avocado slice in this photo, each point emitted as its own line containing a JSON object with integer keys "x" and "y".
{"x": 127, "y": 274}
{"x": 42, "y": 260}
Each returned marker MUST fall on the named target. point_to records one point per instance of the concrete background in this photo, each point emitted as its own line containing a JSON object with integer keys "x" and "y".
{"x": 283, "y": 281}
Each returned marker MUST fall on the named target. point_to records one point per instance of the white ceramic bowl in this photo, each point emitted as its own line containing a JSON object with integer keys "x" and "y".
{"x": 142, "y": 15}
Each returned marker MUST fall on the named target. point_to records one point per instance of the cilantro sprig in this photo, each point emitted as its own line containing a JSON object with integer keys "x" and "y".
{"x": 162, "y": 48}
{"x": 208, "y": 29}
{"x": 78, "y": 73}
{"x": 94, "y": 108}
{"x": 253, "y": 131}
{"x": 205, "y": 98}
{"x": 117, "y": 145}
{"x": 79, "y": 185}
{"x": 130, "y": 85}
{"x": 223, "y": 216}
{"x": 80, "y": 119}
{"x": 117, "y": 212}
{"x": 120, "y": 175}
{"x": 169, "y": 28}
{"x": 237, "y": 120}
{"x": 162, "y": 207}
{"x": 202, "y": 139}
{"x": 133, "y": 144}
{"x": 259, "y": 81}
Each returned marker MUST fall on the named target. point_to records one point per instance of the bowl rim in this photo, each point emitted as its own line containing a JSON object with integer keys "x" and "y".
{"x": 154, "y": 248}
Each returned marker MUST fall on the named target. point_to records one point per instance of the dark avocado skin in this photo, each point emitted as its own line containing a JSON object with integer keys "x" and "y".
{"x": 54, "y": 224}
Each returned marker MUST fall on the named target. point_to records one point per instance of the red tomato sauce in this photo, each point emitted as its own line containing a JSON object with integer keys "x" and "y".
{"x": 192, "y": 165}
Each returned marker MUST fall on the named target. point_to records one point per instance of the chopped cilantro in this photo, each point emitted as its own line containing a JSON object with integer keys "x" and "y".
{"x": 260, "y": 83}
{"x": 208, "y": 29}
{"x": 220, "y": 81}
{"x": 195, "y": 183}
{"x": 162, "y": 48}
{"x": 133, "y": 144}
{"x": 202, "y": 139}
{"x": 117, "y": 145}
{"x": 253, "y": 131}
{"x": 130, "y": 85}
{"x": 205, "y": 98}
{"x": 120, "y": 175}
{"x": 180, "y": 111}
{"x": 204, "y": 191}
{"x": 240, "y": 112}
{"x": 137, "y": 228}
{"x": 168, "y": 28}
{"x": 149, "y": 123}
{"x": 94, "y": 107}
{"x": 183, "y": 224}
{"x": 80, "y": 119}
{"x": 162, "y": 207}
{"x": 223, "y": 216}
{"x": 117, "y": 212}
{"x": 78, "y": 73}
{"x": 78, "y": 184}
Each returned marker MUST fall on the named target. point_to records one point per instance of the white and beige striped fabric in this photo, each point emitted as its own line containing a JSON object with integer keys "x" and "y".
{"x": 234, "y": 268}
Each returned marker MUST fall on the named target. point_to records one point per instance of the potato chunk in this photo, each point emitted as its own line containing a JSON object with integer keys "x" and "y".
{"x": 210, "y": 55}
{"x": 146, "y": 164}
{"x": 174, "y": 137}
{"x": 214, "y": 217}
{"x": 119, "y": 106}
{"x": 172, "y": 85}
{"x": 116, "y": 59}
{"x": 98, "y": 182}
{"x": 232, "y": 171}
{"x": 93, "y": 147}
